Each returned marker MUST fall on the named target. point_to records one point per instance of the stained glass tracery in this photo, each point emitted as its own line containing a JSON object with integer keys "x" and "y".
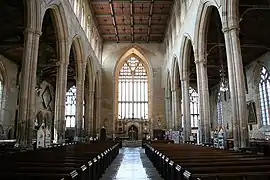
{"x": 133, "y": 90}
{"x": 264, "y": 90}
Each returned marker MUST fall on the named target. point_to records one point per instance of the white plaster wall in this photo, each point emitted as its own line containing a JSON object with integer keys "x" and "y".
{"x": 10, "y": 93}
{"x": 253, "y": 78}
{"x": 112, "y": 52}
{"x": 9, "y": 104}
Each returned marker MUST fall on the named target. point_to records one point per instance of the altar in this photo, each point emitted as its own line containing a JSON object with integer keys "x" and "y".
{"x": 132, "y": 129}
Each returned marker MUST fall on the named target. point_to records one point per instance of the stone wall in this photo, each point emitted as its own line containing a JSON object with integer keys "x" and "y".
{"x": 10, "y": 94}
{"x": 111, "y": 55}
{"x": 45, "y": 105}
{"x": 252, "y": 72}
{"x": 44, "y": 97}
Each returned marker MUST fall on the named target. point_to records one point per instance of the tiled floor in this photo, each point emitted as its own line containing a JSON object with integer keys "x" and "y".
{"x": 131, "y": 164}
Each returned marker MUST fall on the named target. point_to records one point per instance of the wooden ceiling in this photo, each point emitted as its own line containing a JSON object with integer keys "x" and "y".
{"x": 132, "y": 20}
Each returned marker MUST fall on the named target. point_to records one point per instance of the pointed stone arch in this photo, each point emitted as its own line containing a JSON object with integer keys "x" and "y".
{"x": 78, "y": 50}
{"x": 57, "y": 12}
{"x": 59, "y": 19}
{"x": 31, "y": 14}
{"x": 185, "y": 51}
{"x": 4, "y": 86}
{"x": 80, "y": 68}
{"x": 136, "y": 52}
{"x": 202, "y": 20}
{"x": 175, "y": 73}
{"x": 176, "y": 95}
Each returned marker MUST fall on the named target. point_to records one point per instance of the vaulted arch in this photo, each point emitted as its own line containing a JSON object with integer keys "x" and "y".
{"x": 140, "y": 76}
{"x": 175, "y": 73}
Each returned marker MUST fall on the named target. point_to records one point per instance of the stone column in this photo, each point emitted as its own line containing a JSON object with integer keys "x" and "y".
{"x": 94, "y": 116}
{"x": 98, "y": 118}
{"x": 79, "y": 102}
{"x": 167, "y": 110}
{"x": 60, "y": 98}
{"x": 203, "y": 98}
{"x": 89, "y": 112}
{"x": 232, "y": 87}
{"x": 170, "y": 122}
{"x": 201, "y": 129}
{"x": 186, "y": 108}
{"x": 173, "y": 109}
{"x": 177, "y": 109}
{"x": 240, "y": 86}
{"x": 60, "y": 92}
{"x": 27, "y": 95}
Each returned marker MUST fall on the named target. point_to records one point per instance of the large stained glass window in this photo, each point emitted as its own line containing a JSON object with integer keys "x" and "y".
{"x": 264, "y": 89}
{"x": 133, "y": 90}
{"x": 71, "y": 107}
{"x": 194, "y": 107}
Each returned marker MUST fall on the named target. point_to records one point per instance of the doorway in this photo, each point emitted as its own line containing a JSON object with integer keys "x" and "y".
{"x": 133, "y": 132}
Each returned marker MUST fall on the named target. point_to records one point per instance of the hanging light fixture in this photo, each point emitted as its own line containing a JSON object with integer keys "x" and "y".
{"x": 223, "y": 82}
{"x": 223, "y": 85}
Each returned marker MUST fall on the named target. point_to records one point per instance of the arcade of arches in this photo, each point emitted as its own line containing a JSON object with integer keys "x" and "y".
{"x": 78, "y": 66}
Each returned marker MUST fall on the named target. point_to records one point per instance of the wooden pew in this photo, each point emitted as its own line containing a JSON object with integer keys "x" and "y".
{"x": 80, "y": 161}
{"x": 195, "y": 162}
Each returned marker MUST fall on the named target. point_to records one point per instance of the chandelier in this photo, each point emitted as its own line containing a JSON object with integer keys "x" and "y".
{"x": 223, "y": 82}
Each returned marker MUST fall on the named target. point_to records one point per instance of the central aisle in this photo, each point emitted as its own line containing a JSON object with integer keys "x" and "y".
{"x": 131, "y": 164}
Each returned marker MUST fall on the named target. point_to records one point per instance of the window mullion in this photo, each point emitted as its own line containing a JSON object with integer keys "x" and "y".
{"x": 132, "y": 90}
{"x": 267, "y": 83}
{"x": 125, "y": 96}
{"x": 264, "y": 120}
{"x": 266, "y": 104}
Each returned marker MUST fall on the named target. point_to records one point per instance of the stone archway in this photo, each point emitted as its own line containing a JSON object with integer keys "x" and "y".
{"x": 133, "y": 132}
{"x": 1, "y": 129}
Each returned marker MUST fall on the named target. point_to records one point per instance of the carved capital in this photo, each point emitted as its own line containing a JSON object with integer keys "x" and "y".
{"x": 62, "y": 63}
{"x": 201, "y": 60}
{"x": 231, "y": 28}
{"x": 185, "y": 78}
{"x": 32, "y": 31}
{"x": 91, "y": 92}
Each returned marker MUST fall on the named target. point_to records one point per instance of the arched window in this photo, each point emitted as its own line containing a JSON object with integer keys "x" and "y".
{"x": 71, "y": 107}
{"x": 133, "y": 90}
{"x": 219, "y": 111}
{"x": 194, "y": 107}
{"x": 264, "y": 89}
